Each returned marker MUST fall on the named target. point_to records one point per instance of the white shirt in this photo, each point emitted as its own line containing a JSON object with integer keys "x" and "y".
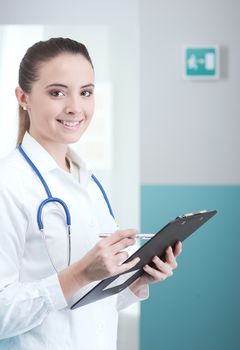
{"x": 33, "y": 311}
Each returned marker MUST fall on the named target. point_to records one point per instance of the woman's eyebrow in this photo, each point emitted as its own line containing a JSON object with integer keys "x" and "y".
{"x": 65, "y": 86}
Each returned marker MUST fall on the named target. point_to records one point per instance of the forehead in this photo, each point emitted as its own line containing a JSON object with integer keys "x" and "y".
{"x": 66, "y": 68}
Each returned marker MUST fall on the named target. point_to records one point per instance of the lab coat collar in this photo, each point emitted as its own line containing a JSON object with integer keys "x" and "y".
{"x": 85, "y": 173}
{"x": 46, "y": 163}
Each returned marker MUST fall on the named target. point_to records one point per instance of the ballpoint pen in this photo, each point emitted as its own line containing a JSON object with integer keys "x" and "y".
{"x": 143, "y": 236}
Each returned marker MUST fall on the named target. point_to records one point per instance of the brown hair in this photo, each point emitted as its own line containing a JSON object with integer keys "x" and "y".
{"x": 40, "y": 52}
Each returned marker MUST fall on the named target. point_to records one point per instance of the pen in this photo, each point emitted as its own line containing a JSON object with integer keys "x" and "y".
{"x": 143, "y": 236}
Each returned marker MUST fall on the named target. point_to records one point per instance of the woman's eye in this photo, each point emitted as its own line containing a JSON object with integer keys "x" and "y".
{"x": 86, "y": 93}
{"x": 56, "y": 93}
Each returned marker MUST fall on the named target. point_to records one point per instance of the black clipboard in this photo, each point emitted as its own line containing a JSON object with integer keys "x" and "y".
{"x": 177, "y": 230}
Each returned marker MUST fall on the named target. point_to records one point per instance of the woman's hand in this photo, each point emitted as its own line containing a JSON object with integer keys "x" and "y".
{"x": 107, "y": 256}
{"x": 158, "y": 273}
{"x": 104, "y": 260}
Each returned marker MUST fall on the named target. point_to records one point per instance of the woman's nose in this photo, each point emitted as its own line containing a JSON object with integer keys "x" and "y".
{"x": 73, "y": 106}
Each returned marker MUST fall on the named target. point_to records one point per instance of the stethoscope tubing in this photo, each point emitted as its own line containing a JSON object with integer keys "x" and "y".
{"x": 50, "y": 199}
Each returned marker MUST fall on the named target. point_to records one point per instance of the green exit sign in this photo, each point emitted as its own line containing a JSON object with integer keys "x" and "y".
{"x": 201, "y": 62}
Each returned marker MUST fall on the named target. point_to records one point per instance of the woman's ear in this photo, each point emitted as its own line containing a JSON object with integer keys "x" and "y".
{"x": 22, "y": 97}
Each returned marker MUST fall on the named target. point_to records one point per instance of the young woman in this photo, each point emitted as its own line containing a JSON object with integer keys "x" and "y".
{"x": 42, "y": 271}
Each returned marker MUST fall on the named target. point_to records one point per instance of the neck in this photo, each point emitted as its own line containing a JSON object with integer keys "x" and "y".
{"x": 57, "y": 150}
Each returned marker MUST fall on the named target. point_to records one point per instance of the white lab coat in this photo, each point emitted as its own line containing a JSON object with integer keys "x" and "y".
{"x": 33, "y": 311}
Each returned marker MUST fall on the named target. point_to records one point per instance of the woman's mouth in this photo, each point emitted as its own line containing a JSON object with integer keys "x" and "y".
{"x": 69, "y": 124}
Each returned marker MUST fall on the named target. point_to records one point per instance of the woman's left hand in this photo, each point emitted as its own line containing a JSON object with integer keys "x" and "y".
{"x": 158, "y": 273}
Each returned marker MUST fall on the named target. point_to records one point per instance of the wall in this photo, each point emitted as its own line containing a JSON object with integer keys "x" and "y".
{"x": 190, "y": 161}
{"x": 74, "y": 12}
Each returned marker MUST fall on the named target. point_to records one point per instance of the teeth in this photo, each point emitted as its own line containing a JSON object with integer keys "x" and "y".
{"x": 71, "y": 124}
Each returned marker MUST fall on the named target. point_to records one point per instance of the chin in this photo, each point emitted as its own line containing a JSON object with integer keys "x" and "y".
{"x": 72, "y": 139}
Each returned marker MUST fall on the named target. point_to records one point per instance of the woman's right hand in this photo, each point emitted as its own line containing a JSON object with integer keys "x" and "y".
{"x": 104, "y": 260}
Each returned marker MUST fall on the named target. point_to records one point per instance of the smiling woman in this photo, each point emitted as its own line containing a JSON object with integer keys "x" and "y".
{"x": 98, "y": 144}
{"x": 56, "y": 103}
{"x": 39, "y": 278}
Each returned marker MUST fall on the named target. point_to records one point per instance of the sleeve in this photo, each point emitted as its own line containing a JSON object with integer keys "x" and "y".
{"x": 127, "y": 298}
{"x": 23, "y": 306}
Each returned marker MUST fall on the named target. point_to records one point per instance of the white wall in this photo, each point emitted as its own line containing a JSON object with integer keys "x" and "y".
{"x": 189, "y": 130}
{"x": 73, "y": 12}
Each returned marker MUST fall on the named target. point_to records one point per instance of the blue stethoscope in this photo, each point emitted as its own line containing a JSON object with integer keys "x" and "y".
{"x": 50, "y": 199}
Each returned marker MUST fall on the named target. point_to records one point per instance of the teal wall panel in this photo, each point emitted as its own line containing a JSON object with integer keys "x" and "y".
{"x": 199, "y": 306}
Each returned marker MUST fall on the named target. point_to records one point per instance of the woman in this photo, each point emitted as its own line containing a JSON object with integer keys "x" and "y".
{"x": 39, "y": 277}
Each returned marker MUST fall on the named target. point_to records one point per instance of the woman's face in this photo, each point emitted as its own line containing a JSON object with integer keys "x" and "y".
{"x": 61, "y": 102}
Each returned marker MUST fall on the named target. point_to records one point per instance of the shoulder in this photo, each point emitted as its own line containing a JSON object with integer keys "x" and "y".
{"x": 11, "y": 169}
{"x": 13, "y": 179}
